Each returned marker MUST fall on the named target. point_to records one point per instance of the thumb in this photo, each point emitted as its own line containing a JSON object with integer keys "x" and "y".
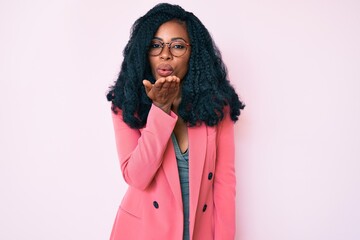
{"x": 147, "y": 84}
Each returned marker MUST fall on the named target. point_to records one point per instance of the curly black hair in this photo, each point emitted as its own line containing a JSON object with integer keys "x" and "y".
{"x": 205, "y": 88}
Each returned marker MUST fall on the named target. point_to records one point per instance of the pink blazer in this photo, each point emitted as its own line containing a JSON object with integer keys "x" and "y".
{"x": 152, "y": 206}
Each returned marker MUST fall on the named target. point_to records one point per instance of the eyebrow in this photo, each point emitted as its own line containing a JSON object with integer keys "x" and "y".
{"x": 172, "y": 39}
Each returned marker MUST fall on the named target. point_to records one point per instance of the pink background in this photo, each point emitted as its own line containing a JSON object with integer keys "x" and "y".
{"x": 296, "y": 64}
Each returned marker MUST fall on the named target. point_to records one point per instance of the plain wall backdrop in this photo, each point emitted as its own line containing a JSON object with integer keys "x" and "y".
{"x": 295, "y": 63}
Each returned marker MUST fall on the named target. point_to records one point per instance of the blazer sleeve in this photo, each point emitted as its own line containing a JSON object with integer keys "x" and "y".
{"x": 225, "y": 182}
{"x": 141, "y": 152}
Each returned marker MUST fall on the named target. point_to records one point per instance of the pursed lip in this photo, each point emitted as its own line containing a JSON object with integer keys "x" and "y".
{"x": 164, "y": 70}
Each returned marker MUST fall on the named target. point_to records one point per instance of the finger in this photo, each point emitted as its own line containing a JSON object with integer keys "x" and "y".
{"x": 147, "y": 84}
{"x": 170, "y": 83}
{"x": 166, "y": 85}
{"x": 174, "y": 78}
{"x": 172, "y": 86}
{"x": 176, "y": 84}
{"x": 171, "y": 78}
{"x": 159, "y": 83}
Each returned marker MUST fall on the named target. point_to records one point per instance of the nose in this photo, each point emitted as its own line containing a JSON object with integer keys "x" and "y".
{"x": 166, "y": 53}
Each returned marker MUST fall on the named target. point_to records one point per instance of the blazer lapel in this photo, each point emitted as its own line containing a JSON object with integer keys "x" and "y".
{"x": 171, "y": 171}
{"x": 197, "y": 150}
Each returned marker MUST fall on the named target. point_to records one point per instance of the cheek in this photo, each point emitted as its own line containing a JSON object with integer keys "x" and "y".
{"x": 152, "y": 66}
{"x": 151, "y": 61}
{"x": 184, "y": 69}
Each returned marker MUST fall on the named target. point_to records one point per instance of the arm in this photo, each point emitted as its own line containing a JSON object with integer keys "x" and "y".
{"x": 225, "y": 181}
{"x": 140, "y": 154}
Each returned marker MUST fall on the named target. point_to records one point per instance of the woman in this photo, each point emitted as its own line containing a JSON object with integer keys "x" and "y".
{"x": 173, "y": 112}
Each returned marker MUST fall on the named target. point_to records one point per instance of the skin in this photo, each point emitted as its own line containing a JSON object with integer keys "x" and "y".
{"x": 165, "y": 93}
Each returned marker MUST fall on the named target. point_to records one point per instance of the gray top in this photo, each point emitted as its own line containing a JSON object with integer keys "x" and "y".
{"x": 183, "y": 167}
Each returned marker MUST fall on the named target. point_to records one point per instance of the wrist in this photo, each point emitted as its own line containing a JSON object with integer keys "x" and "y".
{"x": 165, "y": 107}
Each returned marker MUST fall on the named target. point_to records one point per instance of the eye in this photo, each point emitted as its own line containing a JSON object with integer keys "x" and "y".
{"x": 156, "y": 45}
{"x": 178, "y": 45}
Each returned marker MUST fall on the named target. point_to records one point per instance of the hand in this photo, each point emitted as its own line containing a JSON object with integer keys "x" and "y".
{"x": 164, "y": 92}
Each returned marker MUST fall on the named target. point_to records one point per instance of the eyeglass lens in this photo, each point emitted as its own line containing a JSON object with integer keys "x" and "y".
{"x": 177, "y": 48}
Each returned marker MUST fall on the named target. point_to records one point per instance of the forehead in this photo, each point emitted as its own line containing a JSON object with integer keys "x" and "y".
{"x": 171, "y": 30}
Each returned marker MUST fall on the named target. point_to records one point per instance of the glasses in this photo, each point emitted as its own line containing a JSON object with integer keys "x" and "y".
{"x": 177, "y": 47}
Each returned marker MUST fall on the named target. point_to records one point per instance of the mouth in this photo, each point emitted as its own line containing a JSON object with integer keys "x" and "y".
{"x": 164, "y": 70}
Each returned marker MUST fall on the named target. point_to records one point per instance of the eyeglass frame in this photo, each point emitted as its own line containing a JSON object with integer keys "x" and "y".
{"x": 168, "y": 44}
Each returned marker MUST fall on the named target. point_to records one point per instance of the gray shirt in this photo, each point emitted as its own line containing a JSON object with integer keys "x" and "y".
{"x": 183, "y": 167}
